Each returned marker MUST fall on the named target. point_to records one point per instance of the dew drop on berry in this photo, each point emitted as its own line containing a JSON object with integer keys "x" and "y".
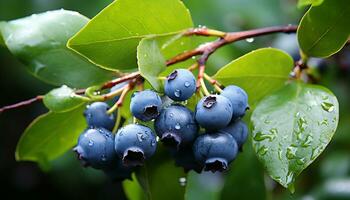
{"x": 177, "y": 126}
{"x": 177, "y": 93}
{"x": 104, "y": 158}
{"x": 153, "y": 143}
{"x": 91, "y": 143}
{"x": 187, "y": 84}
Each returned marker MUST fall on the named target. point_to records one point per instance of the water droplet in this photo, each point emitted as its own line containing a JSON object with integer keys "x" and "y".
{"x": 259, "y": 136}
{"x": 177, "y": 126}
{"x": 157, "y": 139}
{"x": 187, "y": 84}
{"x": 307, "y": 142}
{"x": 177, "y": 93}
{"x": 91, "y": 143}
{"x": 104, "y": 158}
{"x": 325, "y": 98}
{"x": 323, "y": 122}
{"x": 301, "y": 161}
{"x": 250, "y": 40}
{"x": 182, "y": 181}
{"x": 141, "y": 137}
{"x": 267, "y": 121}
{"x": 262, "y": 151}
{"x": 291, "y": 152}
{"x": 153, "y": 143}
{"x": 171, "y": 115}
{"x": 329, "y": 107}
{"x": 193, "y": 57}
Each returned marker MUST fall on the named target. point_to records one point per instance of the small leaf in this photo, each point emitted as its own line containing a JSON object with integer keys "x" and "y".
{"x": 39, "y": 41}
{"x": 150, "y": 61}
{"x": 62, "y": 99}
{"x": 50, "y": 135}
{"x": 110, "y": 39}
{"x": 303, "y": 3}
{"x": 259, "y": 72}
{"x": 324, "y": 29}
{"x": 292, "y": 127}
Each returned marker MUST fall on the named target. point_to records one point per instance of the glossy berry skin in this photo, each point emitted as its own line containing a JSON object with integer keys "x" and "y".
{"x": 180, "y": 85}
{"x": 238, "y": 98}
{"x": 238, "y": 130}
{"x": 215, "y": 151}
{"x": 176, "y": 126}
{"x": 117, "y": 87}
{"x": 213, "y": 112}
{"x": 134, "y": 144}
{"x": 145, "y": 105}
{"x": 95, "y": 148}
{"x": 96, "y": 116}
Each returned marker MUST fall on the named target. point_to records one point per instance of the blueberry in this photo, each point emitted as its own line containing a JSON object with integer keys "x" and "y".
{"x": 238, "y": 98}
{"x": 97, "y": 117}
{"x": 95, "y": 148}
{"x": 117, "y": 87}
{"x": 176, "y": 126}
{"x": 145, "y": 105}
{"x": 213, "y": 112}
{"x": 134, "y": 144}
{"x": 239, "y": 131}
{"x": 215, "y": 151}
{"x": 184, "y": 158}
{"x": 180, "y": 85}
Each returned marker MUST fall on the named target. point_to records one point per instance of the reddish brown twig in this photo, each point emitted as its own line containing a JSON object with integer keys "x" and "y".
{"x": 127, "y": 77}
{"x": 22, "y": 103}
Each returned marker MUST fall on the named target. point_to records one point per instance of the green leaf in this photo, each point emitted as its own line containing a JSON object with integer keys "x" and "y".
{"x": 110, "y": 39}
{"x": 303, "y": 3}
{"x": 292, "y": 127}
{"x": 50, "y": 135}
{"x": 133, "y": 190}
{"x": 63, "y": 99}
{"x": 259, "y": 72}
{"x": 151, "y": 62}
{"x": 245, "y": 175}
{"x": 39, "y": 41}
{"x": 2, "y": 42}
{"x": 324, "y": 29}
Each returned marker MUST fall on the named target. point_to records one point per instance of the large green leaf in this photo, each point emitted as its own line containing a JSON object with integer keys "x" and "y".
{"x": 110, "y": 39}
{"x": 302, "y": 3}
{"x": 39, "y": 41}
{"x": 292, "y": 127}
{"x": 325, "y": 29}
{"x": 259, "y": 72}
{"x": 2, "y": 42}
{"x": 63, "y": 99}
{"x": 50, "y": 135}
{"x": 245, "y": 175}
{"x": 204, "y": 186}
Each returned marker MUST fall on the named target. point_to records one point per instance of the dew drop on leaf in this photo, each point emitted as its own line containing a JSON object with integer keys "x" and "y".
{"x": 329, "y": 107}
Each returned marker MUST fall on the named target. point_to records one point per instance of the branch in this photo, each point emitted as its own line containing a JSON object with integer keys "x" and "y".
{"x": 22, "y": 103}
{"x": 226, "y": 39}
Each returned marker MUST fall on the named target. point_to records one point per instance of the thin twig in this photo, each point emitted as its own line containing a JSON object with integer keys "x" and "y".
{"x": 22, "y": 103}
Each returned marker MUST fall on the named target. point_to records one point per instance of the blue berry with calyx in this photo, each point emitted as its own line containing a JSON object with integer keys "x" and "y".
{"x": 95, "y": 148}
{"x": 180, "y": 85}
{"x": 145, "y": 105}
{"x": 134, "y": 144}
{"x": 96, "y": 116}
{"x": 213, "y": 112}
{"x": 239, "y": 131}
{"x": 238, "y": 98}
{"x": 176, "y": 126}
{"x": 215, "y": 151}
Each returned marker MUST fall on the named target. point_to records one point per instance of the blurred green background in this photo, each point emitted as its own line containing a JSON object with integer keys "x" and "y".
{"x": 327, "y": 178}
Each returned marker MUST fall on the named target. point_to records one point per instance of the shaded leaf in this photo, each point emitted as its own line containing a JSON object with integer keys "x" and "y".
{"x": 50, "y": 135}
{"x": 39, "y": 41}
{"x": 62, "y": 99}
{"x": 303, "y": 3}
{"x": 204, "y": 186}
{"x": 292, "y": 127}
{"x": 110, "y": 39}
{"x": 324, "y": 29}
{"x": 259, "y": 72}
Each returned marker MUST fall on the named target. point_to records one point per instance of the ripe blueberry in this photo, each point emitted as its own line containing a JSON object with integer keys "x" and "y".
{"x": 213, "y": 112}
{"x": 176, "y": 126}
{"x": 145, "y": 105}
{"x": 180, "y": 85}
{"x": 239, "y": 131}
{"x": 96, "y": 148}
{"x": 97, "y": 117}
{"x": 134, "y": 144}
{"x": 238, "y": 98}
{"x": 215, "y": 151}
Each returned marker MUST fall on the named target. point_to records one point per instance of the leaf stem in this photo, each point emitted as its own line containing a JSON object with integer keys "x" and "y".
{"x": 204, "y": 87}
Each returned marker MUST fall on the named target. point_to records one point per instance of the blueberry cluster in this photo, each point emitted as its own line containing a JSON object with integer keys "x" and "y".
{"x": 176, "y": 126}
